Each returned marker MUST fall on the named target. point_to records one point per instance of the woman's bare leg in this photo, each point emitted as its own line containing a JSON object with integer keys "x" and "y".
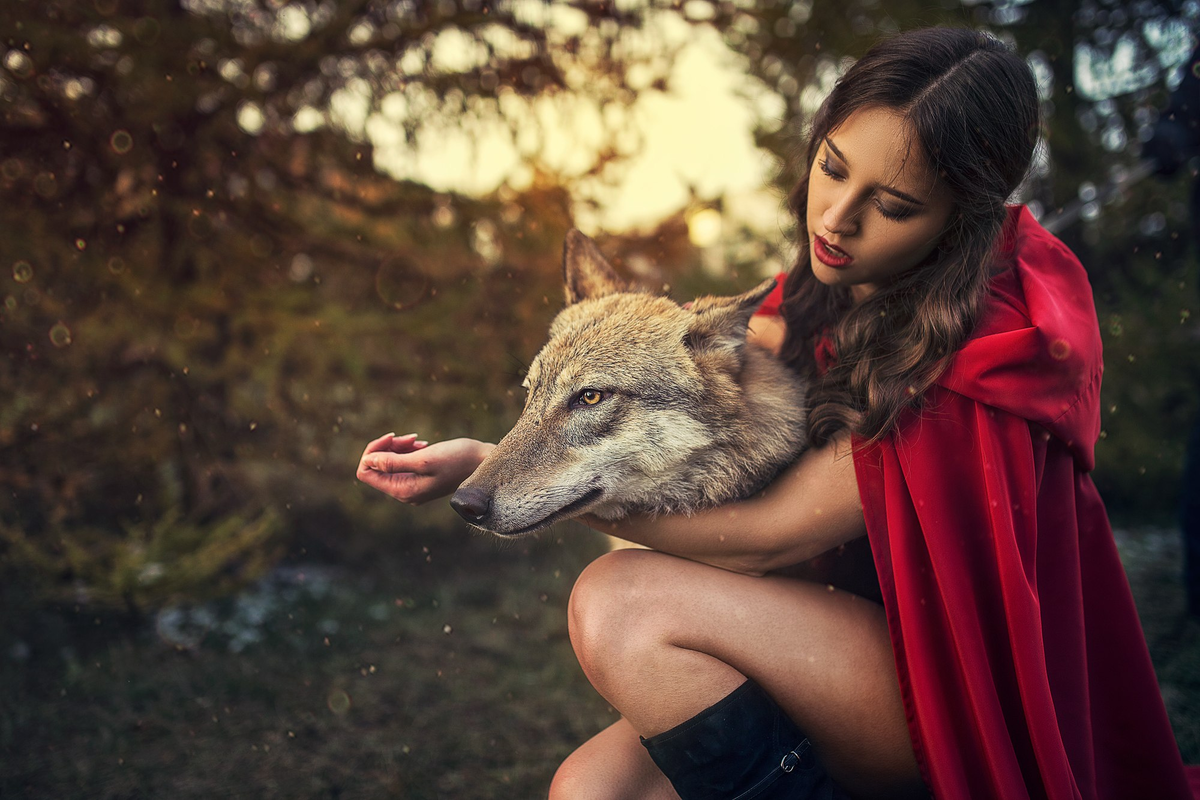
{"x": 611, "y": 765}
{"x": 663, "y": 638}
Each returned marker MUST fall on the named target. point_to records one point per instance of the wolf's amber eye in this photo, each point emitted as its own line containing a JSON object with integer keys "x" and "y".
{"x": 589, "y": 397}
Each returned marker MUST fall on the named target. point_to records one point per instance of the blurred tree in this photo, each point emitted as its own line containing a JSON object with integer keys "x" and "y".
{"x": 206, "y": 269}
{"x": 212, "y": 296}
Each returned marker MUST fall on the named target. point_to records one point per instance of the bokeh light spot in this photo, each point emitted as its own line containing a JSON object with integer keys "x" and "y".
{"x": 18, "y": 64}
{"x": 704, "y": 227}
{"x": 443, "y": 216}
{"x": 301, "y": 268}
{"x": 60, "y": 335}
{"x": 338, "y": 702}
{"x": 46, "y": 185}
{"x": 399, "y": 284}
{"x": 121, "y": 142}
{"x": 12, "y": 169}
{"x": 22, "y": 272}
{"x": 146, "y": 30}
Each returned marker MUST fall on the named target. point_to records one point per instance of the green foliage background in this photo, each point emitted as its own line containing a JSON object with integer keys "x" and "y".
{"x": 203, "y": 322}
{"x": 208, "y": 308}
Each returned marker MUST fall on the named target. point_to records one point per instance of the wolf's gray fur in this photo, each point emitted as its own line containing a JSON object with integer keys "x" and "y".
{"x": 682, "y": 414}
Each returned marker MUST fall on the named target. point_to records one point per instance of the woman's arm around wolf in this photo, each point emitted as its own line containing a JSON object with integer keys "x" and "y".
{"x": 811, "y": 507}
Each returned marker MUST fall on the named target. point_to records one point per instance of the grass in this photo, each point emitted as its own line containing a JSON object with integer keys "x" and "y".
{"x": 439, "y": 670}
{"x": 442, "y": 671}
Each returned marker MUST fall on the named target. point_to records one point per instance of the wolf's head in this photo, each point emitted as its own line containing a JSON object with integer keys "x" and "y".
{"x": 624, "y": 402}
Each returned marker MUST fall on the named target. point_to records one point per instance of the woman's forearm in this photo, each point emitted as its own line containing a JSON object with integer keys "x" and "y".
{"x": 813, "y": 506}
{"x": 716, "y": 536}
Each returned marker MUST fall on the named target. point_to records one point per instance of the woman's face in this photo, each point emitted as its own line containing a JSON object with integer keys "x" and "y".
{"x": 874, "y": 206}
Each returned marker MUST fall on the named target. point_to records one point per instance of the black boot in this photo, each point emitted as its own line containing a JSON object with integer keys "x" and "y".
{"x": 742, "y": 748}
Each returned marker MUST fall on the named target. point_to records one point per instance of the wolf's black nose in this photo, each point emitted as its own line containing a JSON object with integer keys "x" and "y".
{"x": 471, "y": 503}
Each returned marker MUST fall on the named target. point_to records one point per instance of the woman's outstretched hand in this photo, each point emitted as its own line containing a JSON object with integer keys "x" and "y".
{"x": 414, "y": 471}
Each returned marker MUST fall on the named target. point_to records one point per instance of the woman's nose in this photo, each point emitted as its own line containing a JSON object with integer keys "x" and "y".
{"x": 841, "y": 216}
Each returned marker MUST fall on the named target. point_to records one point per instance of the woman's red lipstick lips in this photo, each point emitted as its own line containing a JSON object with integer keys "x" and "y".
{"x": 830, "y": 255}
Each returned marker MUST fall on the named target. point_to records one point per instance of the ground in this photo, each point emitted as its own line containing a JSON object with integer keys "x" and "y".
{"x": 440, "y": 670}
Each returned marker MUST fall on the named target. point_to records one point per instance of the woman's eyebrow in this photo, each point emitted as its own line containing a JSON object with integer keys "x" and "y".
{"x": 902, "y": 195}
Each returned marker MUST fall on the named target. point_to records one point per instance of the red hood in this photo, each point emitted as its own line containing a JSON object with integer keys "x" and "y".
{"x": 1037, "y": 350}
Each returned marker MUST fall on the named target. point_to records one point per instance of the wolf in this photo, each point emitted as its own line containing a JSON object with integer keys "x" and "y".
{"x": 638, "y": 404}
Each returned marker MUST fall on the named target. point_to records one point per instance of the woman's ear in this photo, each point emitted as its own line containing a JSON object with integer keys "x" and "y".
{"x": 721, "y": 323}
{"x": 586, "y": 273}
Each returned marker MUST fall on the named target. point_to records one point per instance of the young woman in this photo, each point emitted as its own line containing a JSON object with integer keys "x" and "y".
{"x": 956, "y": 362}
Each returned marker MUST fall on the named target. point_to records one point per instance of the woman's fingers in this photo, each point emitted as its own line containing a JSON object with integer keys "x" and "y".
{"x": 390, "y": 442}
{"x": 391, "y": 463}
{"x": 376, "y": 480}
{"x": 379, "y": 444}
{"x": 404, "y": 444}
{"x": 407, "y": 487}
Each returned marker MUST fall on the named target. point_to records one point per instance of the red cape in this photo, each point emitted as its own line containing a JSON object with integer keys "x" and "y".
{"x": 1022, "y": 663}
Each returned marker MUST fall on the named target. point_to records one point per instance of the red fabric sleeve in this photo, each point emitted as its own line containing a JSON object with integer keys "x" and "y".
{"x": 1021, "y": 661}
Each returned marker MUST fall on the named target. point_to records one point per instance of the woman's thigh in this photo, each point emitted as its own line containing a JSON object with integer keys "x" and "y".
{"x": 663, "y": 638}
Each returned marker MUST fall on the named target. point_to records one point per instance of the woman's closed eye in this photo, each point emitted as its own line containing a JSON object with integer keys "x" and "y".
{"x": 830, "y": 171}
{"x": 886, "y": 210}
{"x": 893, "y": 213}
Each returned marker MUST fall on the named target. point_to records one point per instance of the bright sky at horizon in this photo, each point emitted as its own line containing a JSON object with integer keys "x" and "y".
{"x": 681, "y": 149}
{"x": 691, "y": 144}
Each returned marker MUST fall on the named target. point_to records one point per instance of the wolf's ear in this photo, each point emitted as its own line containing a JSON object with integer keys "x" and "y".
{"x": 721, "y": 323}
{"x": 586, "y": 274}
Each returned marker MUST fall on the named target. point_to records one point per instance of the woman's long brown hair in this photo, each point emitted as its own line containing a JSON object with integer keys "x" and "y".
{"x": 972, "y": 104}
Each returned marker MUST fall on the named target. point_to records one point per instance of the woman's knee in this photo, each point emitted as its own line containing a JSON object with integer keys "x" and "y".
{"x": 572, "y": 780}
{"x": 613, "y": 610}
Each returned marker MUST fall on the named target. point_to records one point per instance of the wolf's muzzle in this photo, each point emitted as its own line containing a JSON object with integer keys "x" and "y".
{"x": 471, "y": 503}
